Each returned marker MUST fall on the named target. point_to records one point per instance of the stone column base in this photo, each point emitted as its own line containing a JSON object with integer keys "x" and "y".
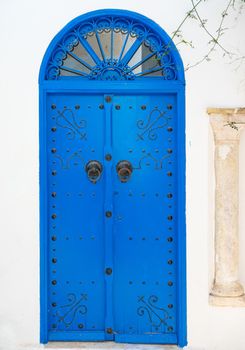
{"x": 227, "y": 301}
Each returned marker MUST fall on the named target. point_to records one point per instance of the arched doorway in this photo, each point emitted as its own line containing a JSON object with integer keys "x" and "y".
{"x": 112, "y": 183}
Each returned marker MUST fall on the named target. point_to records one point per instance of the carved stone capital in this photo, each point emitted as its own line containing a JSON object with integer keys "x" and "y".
{"x": 227, "y": 123}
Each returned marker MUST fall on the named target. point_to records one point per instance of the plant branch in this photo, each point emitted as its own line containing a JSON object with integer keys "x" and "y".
{"x": 216, "y": 40}
{"x": 185, "y": 18}
{"x": 202, "y": 23}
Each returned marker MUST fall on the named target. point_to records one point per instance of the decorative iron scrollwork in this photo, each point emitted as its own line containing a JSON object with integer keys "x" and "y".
{"x": 66, "y": 119}
{"x": 67, "y": 313}
{"x": 65, "y": 58}
{"x": 150, "y": 161}
{"x": 155, "y": 314}
{"x": 155, "y": 120}
{"x": 66, "y": 163}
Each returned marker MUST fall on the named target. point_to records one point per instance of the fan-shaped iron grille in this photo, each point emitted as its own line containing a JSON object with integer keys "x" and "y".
{"x": 112, "y": 48}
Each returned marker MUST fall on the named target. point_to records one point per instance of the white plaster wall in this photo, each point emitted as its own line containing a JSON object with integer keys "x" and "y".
{"x": 26, "y": 28}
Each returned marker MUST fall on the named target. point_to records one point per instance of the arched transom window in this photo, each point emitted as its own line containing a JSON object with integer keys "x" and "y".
{"x": 112, "y": 48}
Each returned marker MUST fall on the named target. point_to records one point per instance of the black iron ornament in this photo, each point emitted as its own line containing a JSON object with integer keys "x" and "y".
{"x": 108, "y": 271}
{"x": 108, "y": 157}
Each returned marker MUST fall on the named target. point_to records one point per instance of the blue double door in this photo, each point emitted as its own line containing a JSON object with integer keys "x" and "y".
{"x": 112, "y": 242}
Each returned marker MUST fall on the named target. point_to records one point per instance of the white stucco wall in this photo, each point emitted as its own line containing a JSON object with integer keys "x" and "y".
{"x": 26, "y": 28}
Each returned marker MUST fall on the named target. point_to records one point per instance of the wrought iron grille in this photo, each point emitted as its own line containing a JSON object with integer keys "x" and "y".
{"x": 112, "y": 48}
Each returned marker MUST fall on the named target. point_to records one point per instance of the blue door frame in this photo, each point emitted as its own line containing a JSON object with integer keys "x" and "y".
{"x": 149, "y": 87}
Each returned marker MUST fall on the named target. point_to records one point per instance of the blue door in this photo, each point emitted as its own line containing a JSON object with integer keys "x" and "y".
{"x": 144, "y": 233}
{"x": 76, "y": 291}
{"x": 112, "y": 183}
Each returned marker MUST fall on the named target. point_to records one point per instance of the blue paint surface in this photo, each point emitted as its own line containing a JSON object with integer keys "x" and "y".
{"x": 142, "y": 298}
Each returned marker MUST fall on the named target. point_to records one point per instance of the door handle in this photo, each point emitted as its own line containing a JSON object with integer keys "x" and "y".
{"x": 94, "y": 170}
{"x": 124, "y": 170}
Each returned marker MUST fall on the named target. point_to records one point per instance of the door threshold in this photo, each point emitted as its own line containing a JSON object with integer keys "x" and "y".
{"x": 107, "y": 345}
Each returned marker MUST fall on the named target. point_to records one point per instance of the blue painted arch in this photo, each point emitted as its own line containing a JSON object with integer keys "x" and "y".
{"x": 141, "y": 26}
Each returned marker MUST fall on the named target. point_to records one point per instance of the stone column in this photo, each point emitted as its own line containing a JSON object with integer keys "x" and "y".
{"x": 227, "y": 125}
